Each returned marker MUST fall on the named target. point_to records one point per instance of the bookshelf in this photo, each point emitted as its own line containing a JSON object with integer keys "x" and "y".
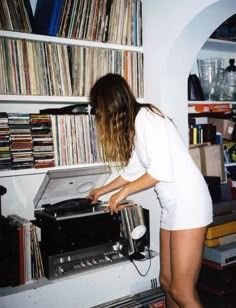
{"x": 22, "y": 185}
{"x": 54, "y": 99}
{"x": 116, "y": 57}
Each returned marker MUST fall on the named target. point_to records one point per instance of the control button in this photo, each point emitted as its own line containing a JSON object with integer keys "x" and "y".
{"x": 107, "y": 259}
{"x": 60, "y": 270}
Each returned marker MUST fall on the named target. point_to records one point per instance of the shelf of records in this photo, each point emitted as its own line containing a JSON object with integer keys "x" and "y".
{"x": 118, "y": 22}
{"x": 38, "y": 68}
{"x": 21, "y": 260}
{"x": 46, "y": 141}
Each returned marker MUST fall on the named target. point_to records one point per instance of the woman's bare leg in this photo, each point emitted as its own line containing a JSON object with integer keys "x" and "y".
{"x": 186, "y": 247}
{"x": 165, "y": 267}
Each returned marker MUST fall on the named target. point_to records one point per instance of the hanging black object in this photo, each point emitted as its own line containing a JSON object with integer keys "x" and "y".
{"x": 195, "y": 92}
{"x": 71, "y": 109}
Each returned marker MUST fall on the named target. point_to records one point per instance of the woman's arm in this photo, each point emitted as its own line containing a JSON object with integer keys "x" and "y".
{"x": 145, "y": 181}
{"x": 115, "y": 184}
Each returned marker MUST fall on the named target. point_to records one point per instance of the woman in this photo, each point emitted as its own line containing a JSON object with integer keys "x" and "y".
{"x": 146, "y": 143}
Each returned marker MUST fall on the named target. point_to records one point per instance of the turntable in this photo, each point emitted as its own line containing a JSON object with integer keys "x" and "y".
{"x": 62, "y": 192}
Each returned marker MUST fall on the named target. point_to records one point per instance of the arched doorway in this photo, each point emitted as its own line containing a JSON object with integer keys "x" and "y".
{"x": 191, "y": 25}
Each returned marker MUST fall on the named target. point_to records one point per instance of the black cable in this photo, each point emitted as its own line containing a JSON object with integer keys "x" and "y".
{"x": 150, "y": 263}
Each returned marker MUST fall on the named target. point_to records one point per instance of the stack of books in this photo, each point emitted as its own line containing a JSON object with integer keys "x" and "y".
{"x": 30, "y": 260}
{"x": 218, "y": 272}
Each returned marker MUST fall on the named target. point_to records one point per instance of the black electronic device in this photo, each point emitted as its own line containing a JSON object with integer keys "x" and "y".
{"x": 77, "y": 235}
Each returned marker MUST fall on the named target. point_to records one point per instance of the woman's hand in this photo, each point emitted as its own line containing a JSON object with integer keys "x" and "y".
{"x": 94, "y": 195}
{"x": 115, "y": 199}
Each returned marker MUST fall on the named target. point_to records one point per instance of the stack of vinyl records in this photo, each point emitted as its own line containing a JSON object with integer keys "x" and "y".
{"x": 5, "y": 154}
{"x": 152, "y": 298}
{"x": 42, "y": 140}
{"x": 75, "y": 139}
{"x": 16, "y": 15}
{"x": 21, "y": 140}
{"x": 218, "y": 272}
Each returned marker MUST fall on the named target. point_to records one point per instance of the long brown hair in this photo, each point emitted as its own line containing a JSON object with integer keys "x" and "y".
{"x": 115, "y": 109}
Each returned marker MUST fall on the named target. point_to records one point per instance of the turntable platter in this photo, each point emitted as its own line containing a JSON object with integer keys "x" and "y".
{"x": 72, "y": 206}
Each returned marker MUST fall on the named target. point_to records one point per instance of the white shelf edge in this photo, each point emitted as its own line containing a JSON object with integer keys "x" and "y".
{"x": 66, "y": 41}
{"x": 230, "y": 164}
{"x": 33, "y": 171}
{"x": 219, "y": 45}
{"x": 46, "y": 99}
{"x": 42, "y": 98}
{"x": 210, "y": 102}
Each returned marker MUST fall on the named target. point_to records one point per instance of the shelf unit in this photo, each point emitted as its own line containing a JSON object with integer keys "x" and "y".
{"x": 40, "y": 99}
{"x": 33, "y": 103}
{"x": 219, "y": 45}
{"x": 215, "y": 46}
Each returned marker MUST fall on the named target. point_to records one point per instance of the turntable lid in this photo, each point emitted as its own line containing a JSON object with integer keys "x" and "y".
{"x": 64, "y": 184}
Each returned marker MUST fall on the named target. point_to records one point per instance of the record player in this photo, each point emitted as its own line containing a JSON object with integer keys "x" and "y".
{"x": 67, "y": 219}
{"x": 62, "y": 193}
{"x": 75, "y": 234}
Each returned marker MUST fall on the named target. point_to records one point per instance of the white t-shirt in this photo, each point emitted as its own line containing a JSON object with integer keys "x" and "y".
{"x": 182, "y": 190}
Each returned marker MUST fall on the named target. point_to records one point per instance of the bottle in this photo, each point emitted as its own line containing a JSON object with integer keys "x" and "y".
{"x": 230, "y": 81}
{"x": 231, "y": 67}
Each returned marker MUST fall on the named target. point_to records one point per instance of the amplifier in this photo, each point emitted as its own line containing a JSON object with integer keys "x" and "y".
{"x": 77, "y": 261}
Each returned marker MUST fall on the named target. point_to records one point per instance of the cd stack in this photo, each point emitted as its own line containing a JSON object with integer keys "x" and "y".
{"x": 21, "y": 140}
{"x": 5, "y": 154}
{"x": 41, "y": 127}
{"x": 217, "y": 277}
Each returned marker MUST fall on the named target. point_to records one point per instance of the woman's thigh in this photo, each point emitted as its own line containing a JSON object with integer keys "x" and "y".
{"x": 165, "y": 267}
{"x": 186, "y": 248}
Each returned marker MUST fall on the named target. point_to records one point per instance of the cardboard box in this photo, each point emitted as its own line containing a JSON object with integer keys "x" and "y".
{"x": 209, "y": 159}
{"x": 223, "y": 126}
{"x": 196, "y": 155}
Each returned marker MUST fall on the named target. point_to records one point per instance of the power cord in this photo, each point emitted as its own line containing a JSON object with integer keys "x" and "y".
{"x": 149, "y": 266}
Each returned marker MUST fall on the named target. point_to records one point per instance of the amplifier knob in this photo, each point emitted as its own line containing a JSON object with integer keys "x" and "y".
{"x": 94, "y": 262}
{"x": 60, "y": 270}
{"x": 89, "y": 263}
{"x": 82, "y": 264}
{"x": 107, "y": 259}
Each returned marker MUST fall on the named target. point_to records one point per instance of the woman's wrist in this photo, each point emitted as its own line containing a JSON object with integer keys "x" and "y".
{"x": 125, "y": 191}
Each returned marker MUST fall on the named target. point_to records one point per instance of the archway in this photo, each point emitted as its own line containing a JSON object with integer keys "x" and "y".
{"x": 176, "y": 64}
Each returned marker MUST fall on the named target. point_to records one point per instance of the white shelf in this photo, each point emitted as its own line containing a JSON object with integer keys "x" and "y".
{"x": 35, "y": 99}
{"x": 42, "y": 98}
{"x": 219, "y": 45}
{"x": 230, "y": 164}
{"x": 66, "y": 41}
{"x": 32, "y": 171}
{"x": 211, "y": 102}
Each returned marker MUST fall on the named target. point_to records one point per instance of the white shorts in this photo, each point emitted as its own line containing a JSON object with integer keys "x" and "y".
{"x": 184, "y": 208}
